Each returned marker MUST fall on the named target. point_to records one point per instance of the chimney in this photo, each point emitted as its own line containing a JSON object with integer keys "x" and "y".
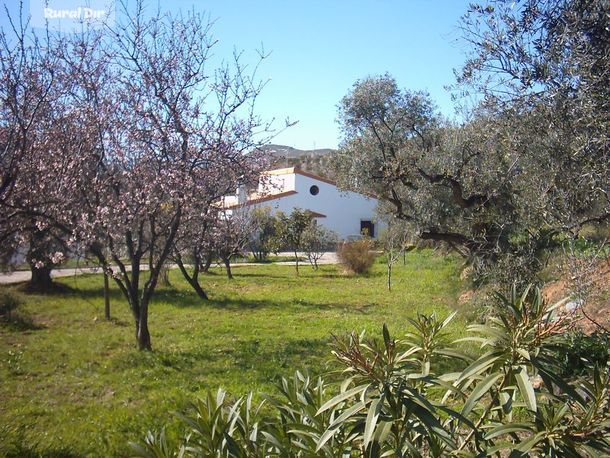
{"x": 241, "y": 193}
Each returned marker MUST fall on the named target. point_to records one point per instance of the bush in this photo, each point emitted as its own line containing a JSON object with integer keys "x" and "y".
{"x": 9, "y": 301}
{"x": 356, "y": 256}
{"x": 398, "y": 398}
{"x": 582, "y": 352}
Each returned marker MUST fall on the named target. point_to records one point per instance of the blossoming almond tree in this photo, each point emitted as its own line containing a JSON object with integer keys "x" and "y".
{"x": 26, "y": 73}
{"x": 192, "y": 249}
{"x": 29, "y": 122}
{"x": 172, "y": 138}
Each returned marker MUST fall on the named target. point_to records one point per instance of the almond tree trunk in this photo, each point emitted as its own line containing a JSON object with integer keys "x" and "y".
{"x": 227, "y": 263}
{"x": 193, "y": 279}
{"x": 142, "y": 334}
{"x": 106, "y": 297}
{"x": 41, "y": 275}
{"x": 139, "y": 309}
{"x": 208, "y": 262}
{"x": 41, "y": 279}
{"x": 164, "y": 277}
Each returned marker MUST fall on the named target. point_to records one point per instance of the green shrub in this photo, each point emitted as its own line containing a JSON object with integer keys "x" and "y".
{"x": 397, "y": 398}
{"x": 9, "y": 301}
{"x": 582, "y": 352}
{"x": 356, "y": 256}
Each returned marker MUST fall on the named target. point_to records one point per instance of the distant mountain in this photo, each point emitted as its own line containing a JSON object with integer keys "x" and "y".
{"x": 314, "y": 160}
{"x": 288, "y": 152}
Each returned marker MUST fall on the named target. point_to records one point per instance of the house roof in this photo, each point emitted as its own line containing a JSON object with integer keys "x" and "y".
{"x": 298, "y": 171}
{"x": 316, "y": 214}
{"x": 279, "y": 195}
{"x": 266, "y": 198}
{"x": 256, "y": 198}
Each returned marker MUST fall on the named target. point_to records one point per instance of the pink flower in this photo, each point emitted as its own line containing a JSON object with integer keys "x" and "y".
{"x": 57, "y": 257}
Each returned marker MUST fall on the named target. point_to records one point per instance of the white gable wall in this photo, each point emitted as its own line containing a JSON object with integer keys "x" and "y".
{"x": 343, "y": 210}
{"x": 276, "y": 183}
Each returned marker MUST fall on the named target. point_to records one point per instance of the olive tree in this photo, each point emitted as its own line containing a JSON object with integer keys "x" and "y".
{"x": 447, "y": 183}
{"x": 548, "y": 62}
{"x": 497, "y": 188}
{"x": 527, "y": 164}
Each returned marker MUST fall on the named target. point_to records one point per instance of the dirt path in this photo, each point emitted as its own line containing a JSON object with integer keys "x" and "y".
{"x": 25, "y": 275}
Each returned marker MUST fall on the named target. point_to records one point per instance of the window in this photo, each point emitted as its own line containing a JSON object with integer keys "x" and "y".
{"x": 367, "y": 228}
{"x": 314, "y": 190}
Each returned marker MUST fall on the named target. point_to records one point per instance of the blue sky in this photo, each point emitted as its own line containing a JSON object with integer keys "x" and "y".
{"x": 320, "y": 48}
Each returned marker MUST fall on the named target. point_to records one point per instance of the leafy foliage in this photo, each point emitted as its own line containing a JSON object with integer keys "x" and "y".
{"x": 316, "y": 240}
{"x": 528, "y": 163}
{"x": 290, "y": 231}
{"x": 581, "y": 350}
{"x": 262, "y": 241}
{"x": 394, "y": 398}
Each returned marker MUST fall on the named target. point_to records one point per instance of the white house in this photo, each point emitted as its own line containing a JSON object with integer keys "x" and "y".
{"x": 344, "y": 212}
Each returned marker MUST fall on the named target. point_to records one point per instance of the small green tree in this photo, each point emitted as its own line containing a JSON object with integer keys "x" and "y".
{"x": 316, "y": 240}
{"x": 397, "y": 241}
{"x": 290, "y": 230}
{"x": 262, "y": 241}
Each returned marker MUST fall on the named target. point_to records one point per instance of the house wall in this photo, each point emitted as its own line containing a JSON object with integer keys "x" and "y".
{"x": 275, "y": 183}
{"x": 343, "y": 210}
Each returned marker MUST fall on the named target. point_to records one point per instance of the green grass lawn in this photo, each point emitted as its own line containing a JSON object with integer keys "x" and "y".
{"x": 72, "y": 384}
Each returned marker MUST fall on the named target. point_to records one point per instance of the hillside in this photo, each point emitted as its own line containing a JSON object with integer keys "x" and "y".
{"x": 315, "y": 160}
{"x": 288, "y": 152}
{"x": 594, "y": 314}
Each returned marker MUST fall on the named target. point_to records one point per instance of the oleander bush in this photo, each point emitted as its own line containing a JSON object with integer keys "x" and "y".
{"x": 417, "y": 396}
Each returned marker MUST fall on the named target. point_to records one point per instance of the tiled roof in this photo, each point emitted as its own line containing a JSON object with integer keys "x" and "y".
{"x": 298, "y": 171}
{"x": 258, "y": 200}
